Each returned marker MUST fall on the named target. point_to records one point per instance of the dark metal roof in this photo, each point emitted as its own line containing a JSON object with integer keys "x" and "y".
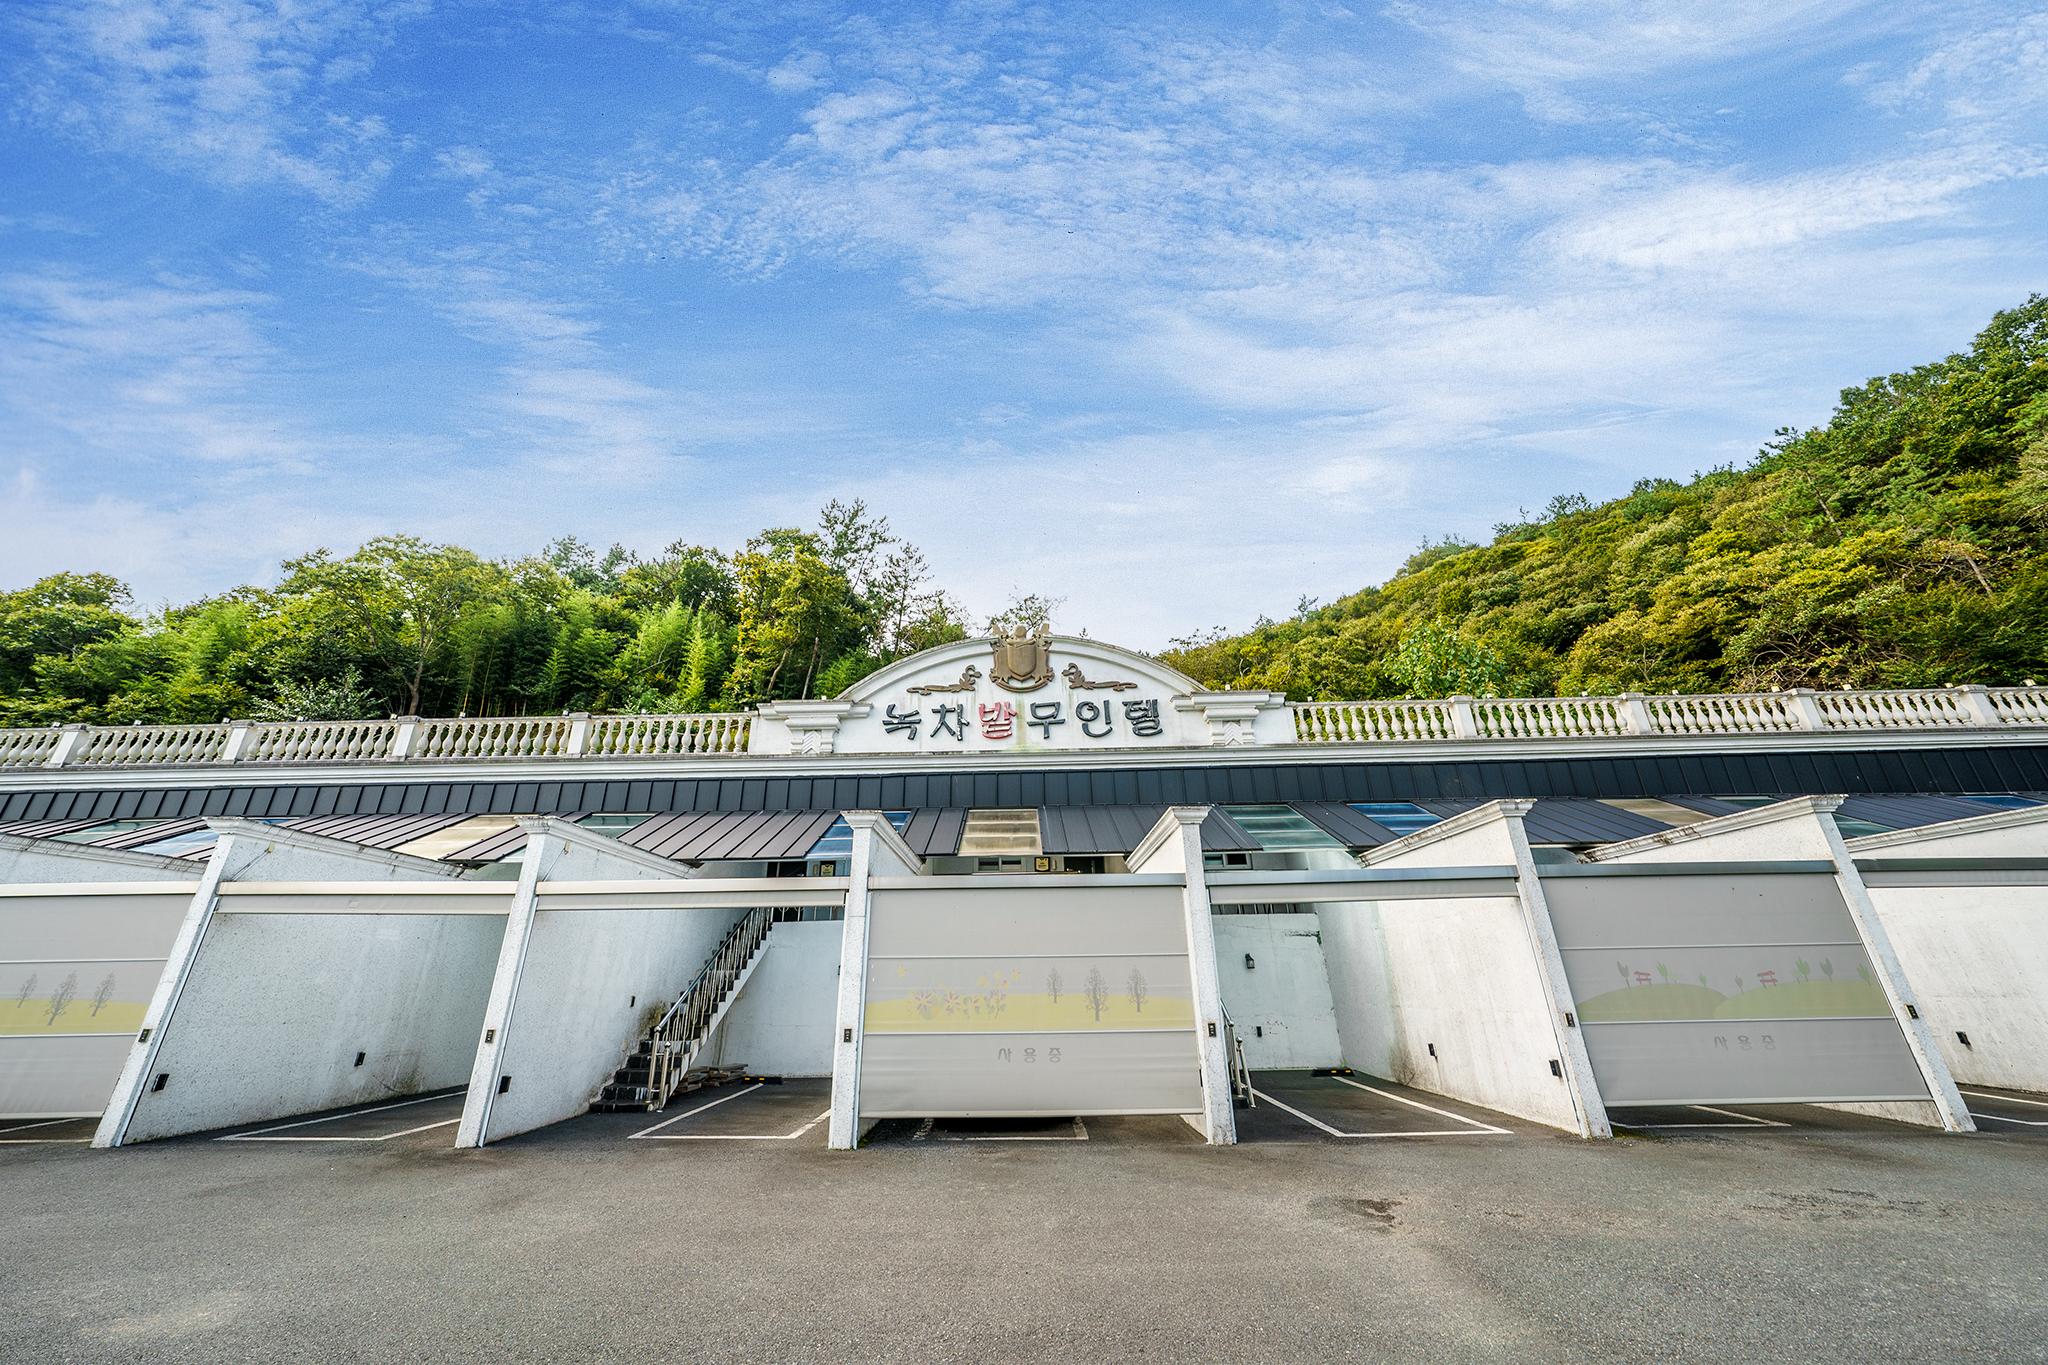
{"x": 1911, "y": 812}
{"x": 1573, "y": 820}
{"x": 136, "y": 838}
{"x": 44, "y": 829}
{"x": 1119, "y": 829}
{"x": 1576, "y": 820}
{"x": 731, "y": 835}
{"x": 935, "y": 833}
{"x": 492, "y": 847}
{"x": 378, "y": 831}
{"x": 1983, "y": 768}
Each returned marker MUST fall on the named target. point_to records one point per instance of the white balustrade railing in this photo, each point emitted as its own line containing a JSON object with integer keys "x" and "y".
{"x": 318, "y": 741}
{"x": 1733, "y": 713}
{"x": 408, "y": 739}
{"x": 28, "y": 748}
{"x": 509, "y": 737}
{"x": 2019, "y": 705}
{"x": 1371, "y": 722}
{"x": 648, "y": 736}
{"x": 158, "y": 745}
{"x": 1550, "y": 717}
{"x": 1915, "y": 710}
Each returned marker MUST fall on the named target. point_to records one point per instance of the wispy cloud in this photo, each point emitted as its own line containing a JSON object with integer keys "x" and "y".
{"x": 238, "y": 91}
{"x": 150, "y": 374}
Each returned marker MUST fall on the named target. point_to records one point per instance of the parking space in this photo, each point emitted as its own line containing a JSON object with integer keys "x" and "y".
{"x": 1736, "y": 1120}
{"x": 41, "y": 1132}
{"x": 1687, "y": 1118}
{"x": 1304, "y": 1106}
{"x": 2015, "y": 1113}
{"x": 382, "y": 1122}
{"x": 791, "y": 1111}
{"x": 1098, "y": 1130}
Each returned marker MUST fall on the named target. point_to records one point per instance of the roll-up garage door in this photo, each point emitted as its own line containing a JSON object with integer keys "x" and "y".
{"x": 1726, "y": 987}
{"x": 1050, "y": 1001}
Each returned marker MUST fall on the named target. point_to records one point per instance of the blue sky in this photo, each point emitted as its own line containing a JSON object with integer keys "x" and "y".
{"x": 1175, "y": 312}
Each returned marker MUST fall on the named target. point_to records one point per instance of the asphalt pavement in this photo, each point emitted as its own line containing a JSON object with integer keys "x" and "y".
{"x": 1124, "y": 1239}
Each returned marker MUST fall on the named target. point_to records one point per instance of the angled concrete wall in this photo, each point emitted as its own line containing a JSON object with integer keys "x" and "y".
{"x": 574, "y": 989}
{"x": 1456, "y": 975}
{"x": 1970, "y": 926}
{"x": 1281, "y": 1006}
{"x": 781, "y": 1025}
{"x": 275, "y": 994}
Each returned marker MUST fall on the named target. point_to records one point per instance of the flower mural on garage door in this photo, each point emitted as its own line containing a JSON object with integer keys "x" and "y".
{"x": 1834, "y": 982}
{"x": 972, "y": 995}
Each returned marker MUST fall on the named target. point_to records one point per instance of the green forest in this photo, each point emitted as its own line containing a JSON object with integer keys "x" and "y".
{"x": 1904, "y": 543}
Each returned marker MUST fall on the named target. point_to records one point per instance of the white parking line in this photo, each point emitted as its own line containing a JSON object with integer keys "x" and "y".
{"x": 2007, "y": 1099}
{"x": 1417, "y": 1104}
{"x": 1748, "y": 1121}
{"x": 1479, "y": 1131}
{"x": 723, "y": 1099}
{"x": 2006, "y": 1118}
{"x": 1080, "y": 1134}
{"x": 258, "y": 1134}
{"x": 45, "y": 1123}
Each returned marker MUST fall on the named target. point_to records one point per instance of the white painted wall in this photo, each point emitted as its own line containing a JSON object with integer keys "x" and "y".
{"x": 1456, "y": 973}
{"x": 781, "y": 1025}
{"x": 593, "y": 982}
{"x": 1978, "y": 960}
{"x": 277, "y": 1006}
{"x": 1285, "y": 998}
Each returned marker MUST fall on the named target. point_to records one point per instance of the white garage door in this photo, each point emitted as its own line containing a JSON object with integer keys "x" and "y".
{"x": 1726, "y": 987}
{"x": 1040, "y": 1001}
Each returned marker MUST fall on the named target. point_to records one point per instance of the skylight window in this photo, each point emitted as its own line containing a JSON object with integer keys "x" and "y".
{"x": 1281, "y": 827}
{"x": 1402, "y": 817}
{"x": 837, "y": 840}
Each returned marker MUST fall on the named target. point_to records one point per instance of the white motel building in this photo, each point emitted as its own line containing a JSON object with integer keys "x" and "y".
{"x": 1033, "y": 877}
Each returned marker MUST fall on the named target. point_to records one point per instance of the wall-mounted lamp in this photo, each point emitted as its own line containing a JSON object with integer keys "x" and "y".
{"x": 1249, "y": 962}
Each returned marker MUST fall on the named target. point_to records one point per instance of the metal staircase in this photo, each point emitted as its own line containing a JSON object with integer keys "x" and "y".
{"x": 655, "y": 1071}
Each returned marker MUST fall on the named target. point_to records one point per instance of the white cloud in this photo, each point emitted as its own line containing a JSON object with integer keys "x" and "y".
{"x": 145, "y": 375}
{"x": 240, "y": 92}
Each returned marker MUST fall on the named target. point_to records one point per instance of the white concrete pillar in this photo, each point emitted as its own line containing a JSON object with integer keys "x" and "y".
{"x": 1564, "y": 1020}
{"x": 70, "y": 739}
{"x": 878, "y": 851}
{"x": 1948, "y": 1101}
{"x": 404, "y": 733}
{"x": 485, "y": 1076}
{"x": 1175, "y": 845}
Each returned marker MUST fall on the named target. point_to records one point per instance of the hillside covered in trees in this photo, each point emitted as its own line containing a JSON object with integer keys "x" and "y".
{"x": 406, "y": 627}
{"x": 1905, "y": 543}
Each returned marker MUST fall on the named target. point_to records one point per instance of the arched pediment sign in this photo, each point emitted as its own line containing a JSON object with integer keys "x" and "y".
{"x": 1018, "y": 693}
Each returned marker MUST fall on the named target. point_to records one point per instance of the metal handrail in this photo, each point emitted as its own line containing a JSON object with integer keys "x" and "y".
{"x": 676, "y": 1036}
{"x": 1233, "y": 1053}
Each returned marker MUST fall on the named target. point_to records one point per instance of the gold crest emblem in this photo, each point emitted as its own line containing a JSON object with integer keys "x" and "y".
{"x": 1023, "y": 661}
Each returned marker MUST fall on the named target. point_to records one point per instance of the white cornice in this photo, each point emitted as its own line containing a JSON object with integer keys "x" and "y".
{"x": 1798, "y": 807}
{"x": 715, "y": 766}
{"x": 1460, "y": 823}
{"x": 1949, "y": 829}
{"x": 256, "y": 831}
